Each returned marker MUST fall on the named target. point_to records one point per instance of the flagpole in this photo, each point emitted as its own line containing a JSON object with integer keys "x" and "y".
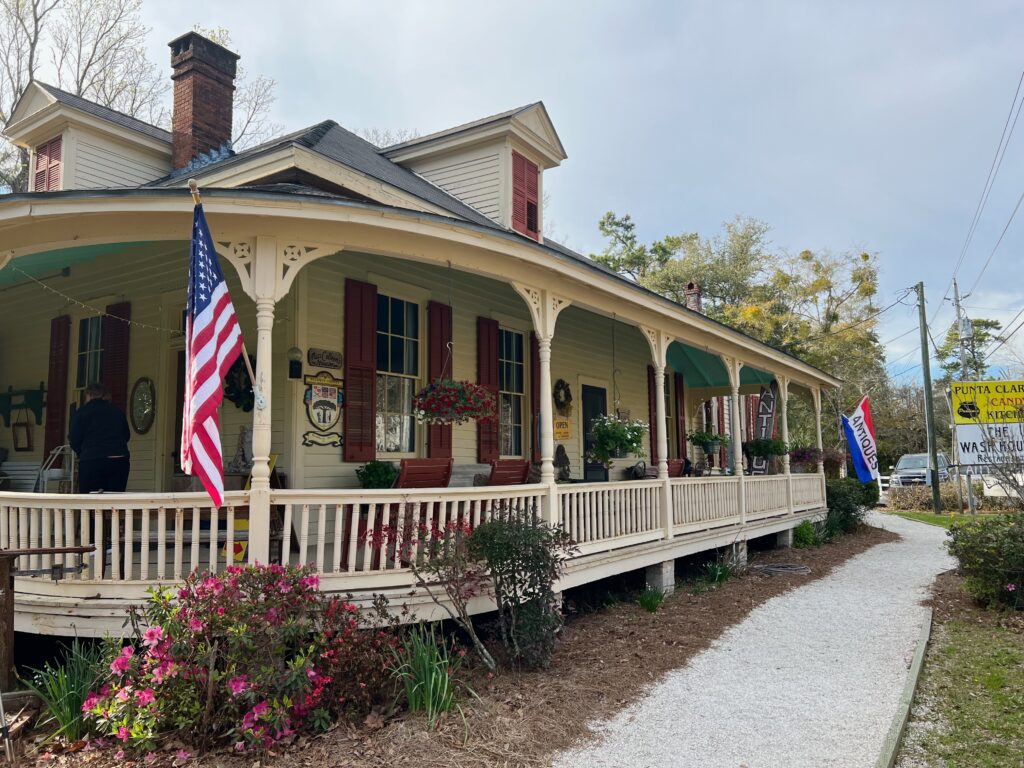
{"x": 193, "y": 187}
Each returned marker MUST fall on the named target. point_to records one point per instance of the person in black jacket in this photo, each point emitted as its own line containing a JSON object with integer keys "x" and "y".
{"x": 99, "y": 436}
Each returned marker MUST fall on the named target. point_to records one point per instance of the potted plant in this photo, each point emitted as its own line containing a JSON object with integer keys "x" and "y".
{"x": 765, "y": 448}
{"x": 614, "y": 438}
{"x": 804, "y": 459}
{"x": 377, "y": 474}
{"x": 445, "y": 401}
{"x": 709, "y": 442}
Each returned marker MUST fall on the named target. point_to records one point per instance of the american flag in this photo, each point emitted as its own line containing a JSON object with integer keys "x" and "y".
{"x": 213, "y": 342}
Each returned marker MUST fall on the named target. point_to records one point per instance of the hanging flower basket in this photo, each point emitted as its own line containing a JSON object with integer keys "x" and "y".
{"x": 613, "y": 437}
{"x": 453, "y": 402}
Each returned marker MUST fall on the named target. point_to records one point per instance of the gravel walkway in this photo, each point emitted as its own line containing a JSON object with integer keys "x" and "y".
{"x": 810, "y": 678}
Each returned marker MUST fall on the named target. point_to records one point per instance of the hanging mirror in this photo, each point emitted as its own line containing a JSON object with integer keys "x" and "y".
{"x": 142, "y": 406}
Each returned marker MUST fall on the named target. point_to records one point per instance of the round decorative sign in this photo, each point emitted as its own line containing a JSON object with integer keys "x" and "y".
{"x": 142, "y": 406}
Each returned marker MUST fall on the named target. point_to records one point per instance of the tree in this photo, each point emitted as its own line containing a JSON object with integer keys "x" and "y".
{"x": 948, "y": 353}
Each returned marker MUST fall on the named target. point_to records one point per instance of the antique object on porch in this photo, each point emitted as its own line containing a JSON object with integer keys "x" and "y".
{"x": 509, "y": 472}
{"x": 562, "y": 463}
{"x": 614, "y": 438}
{"x": 424, "y": 473}
{"x": 21, "y": 435}
{"x": 142, "y": 406}
{"x": 445, "y": 401}
{"x": 241, "y": 462}
{"x": 23, "y": 399}
{"x": 562, "y": 396}
{"x": 324, "y": 398}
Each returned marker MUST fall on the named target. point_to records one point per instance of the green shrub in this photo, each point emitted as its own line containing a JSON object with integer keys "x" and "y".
{"x": 523, "y": 557}
{"x": 650, "y": 600}
{"x": 718, "y": 571}
{"x": 919, "y": 497}
{"x": 848, "y": 501}
{"x": 64, "y": 687}
{"x": 990, "y": 553}
{"x": 805, "y": 536}
{"x": 377, "y": 474}
{"x": 427, "y": 666}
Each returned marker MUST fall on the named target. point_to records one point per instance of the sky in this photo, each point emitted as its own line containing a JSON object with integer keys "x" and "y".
{"x": 845, "y": 126}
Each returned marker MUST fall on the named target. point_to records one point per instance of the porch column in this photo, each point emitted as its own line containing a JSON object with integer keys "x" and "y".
{"x": 783, "y": 383}
{"x": 816, "y": 397}
{"x": 660, "y": 341}
{"x": 733, "y": 366}
{"x": 544, "y": 308}
{"x": 264, "y": 270}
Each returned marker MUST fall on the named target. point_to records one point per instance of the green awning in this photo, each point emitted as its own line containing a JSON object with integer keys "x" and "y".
{"x": 39, "y": 264}
{"x": 706, "y": 369}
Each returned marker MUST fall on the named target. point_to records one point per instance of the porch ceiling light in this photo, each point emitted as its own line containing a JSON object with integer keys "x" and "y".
{"x": 294, "y": 363}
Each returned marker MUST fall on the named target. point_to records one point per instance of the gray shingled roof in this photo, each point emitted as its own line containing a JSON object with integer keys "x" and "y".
{"x": 336, "y": 143}
{"x": 458, "y": 128}
{"x": 105, "y": 113}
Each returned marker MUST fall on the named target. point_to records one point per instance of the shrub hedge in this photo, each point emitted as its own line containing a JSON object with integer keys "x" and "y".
{"x": 916, "y": 497}
{"x": 990, "y": 552}
{"x": 848, "y": 501}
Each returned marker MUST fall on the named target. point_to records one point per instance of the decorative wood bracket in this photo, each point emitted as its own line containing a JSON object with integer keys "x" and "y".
{"x": 544, "y": 308}
{"x": 732, "y": 367}
{"x": 659, "y": 342}
{"x": 289, "y": 260}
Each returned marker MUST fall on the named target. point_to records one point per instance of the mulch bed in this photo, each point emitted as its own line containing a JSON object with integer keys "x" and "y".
{"x": 603, "y": 661}
{"x": 950, "y": 601}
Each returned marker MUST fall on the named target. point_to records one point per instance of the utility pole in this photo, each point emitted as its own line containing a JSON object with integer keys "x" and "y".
{"x": 964, "y": 333}
{"x": 929, "y": 403}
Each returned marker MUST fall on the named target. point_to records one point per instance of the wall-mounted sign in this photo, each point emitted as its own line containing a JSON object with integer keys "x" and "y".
{"x": 324, "y": 397}
{"x": 562, "y": 428}
{"x": 323, "y": 358}
{"x": 989, "y": 418}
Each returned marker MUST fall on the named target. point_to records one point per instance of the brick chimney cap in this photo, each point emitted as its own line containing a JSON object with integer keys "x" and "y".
{"x": 193, "y": 45}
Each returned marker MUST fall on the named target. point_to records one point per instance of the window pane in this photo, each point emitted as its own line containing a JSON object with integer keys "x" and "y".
{"x": 518, "y": 344}
{"x": 518, "y": 387}
{"x": 96, "y": 333}
{"x": 412, "y": 319}
{"x": 398, "y": 317}
{"x": 382, "y": 313}
{"x": 397, "y": 356}
{"x": 411, "y": 362}
{"x": 83, "y": 335}
{"x": 382, "y": 352}
{"x": 80, "y": 376}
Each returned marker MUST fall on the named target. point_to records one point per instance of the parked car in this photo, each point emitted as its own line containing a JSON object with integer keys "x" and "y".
{"x": 912, "y": 469}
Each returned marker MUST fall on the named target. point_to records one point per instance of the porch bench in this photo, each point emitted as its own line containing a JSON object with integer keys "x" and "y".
{"x": 19, "y": 475}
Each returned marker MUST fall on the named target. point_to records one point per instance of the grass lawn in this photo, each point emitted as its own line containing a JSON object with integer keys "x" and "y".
{"x": 928, "y": 517}
{"x": 969, "y": 708}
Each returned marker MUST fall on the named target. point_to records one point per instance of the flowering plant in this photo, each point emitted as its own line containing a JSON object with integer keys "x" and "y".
{"x": 248, "y": 657}
{"x": 614, "y": 437}
{"x": 805, "y": 455}
{"x": 444, "y": 401}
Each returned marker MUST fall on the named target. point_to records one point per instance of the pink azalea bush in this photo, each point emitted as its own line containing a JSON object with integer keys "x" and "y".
{"x": 247, "y": 657}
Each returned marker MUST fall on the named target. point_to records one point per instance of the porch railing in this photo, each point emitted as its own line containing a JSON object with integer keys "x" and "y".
{"x": 705, "y": 502}
{"x": 137, "y": 537}
{"x": 601, "y": 516}
{"x": 344, "y": 531}
{"x": 767, "y": 496}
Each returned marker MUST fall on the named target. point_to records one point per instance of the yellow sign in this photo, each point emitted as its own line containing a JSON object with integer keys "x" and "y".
{"x": 563, "y": 428}
{"x": 988, "y": 402}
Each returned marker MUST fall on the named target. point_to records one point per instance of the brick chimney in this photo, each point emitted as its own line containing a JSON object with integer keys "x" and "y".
{"x": 692, "y": 294}
{"x": 204, "y": 87}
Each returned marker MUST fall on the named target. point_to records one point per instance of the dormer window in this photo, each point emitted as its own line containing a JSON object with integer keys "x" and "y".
{"x": 525, "y": 196}
{"x": 48, "y": 166}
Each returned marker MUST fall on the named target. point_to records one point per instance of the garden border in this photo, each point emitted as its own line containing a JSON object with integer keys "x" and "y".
{"x": 894, "y": 737}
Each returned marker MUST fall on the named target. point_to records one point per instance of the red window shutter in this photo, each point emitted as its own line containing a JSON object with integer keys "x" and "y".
{"x": 439, "y": 366}
{"x": 722, "y": 430}
{"x": 680, "y": 391}
{"x": 535, "y": 396}
{"x": 532, "y": 200}
{"x": 54, "y": 166}
{"x": 57, "y": 384}
{"x": 114, "y": 364}
{"x": 360, "y": 371}
{"x": 525, "y": 192}
{"x": 753, "y": 404}
{"x": 487, "y": 432}
{"x": 42, "y": 161}
{"x": 652, "y": 411}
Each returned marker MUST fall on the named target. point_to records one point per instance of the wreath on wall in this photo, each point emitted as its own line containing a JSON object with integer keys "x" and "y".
{"x": 563, "y": 398}
{"x": 238, "y": 385}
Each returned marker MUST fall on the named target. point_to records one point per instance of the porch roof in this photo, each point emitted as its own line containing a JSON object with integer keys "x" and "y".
{"x": 706, "y": 369}
{"x": 560, "y": 253}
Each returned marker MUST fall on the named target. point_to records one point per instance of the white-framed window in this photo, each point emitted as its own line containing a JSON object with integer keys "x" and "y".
{"x": 511, "y": 386}
{"x": 89, "y": 356}
{"x": 398, "y": 369}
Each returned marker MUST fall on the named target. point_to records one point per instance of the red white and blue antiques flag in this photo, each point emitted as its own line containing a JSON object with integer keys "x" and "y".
{"x": 213, "y": 341}
{"x": 860, "y": 436}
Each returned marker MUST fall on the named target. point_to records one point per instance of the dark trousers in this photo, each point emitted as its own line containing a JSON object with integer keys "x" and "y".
{"x": 109, "y": 475}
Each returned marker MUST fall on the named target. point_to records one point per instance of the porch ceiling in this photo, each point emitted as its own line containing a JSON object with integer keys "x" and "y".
{"x": 705, "y": 369}
{"x": 38, "y": 264}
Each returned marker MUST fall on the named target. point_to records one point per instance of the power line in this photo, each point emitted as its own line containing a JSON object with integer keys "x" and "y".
{"x": 903, "y": 294}
{"x": 993, "y": 171}
{"x": 1007, "y": 336}
{"x": 897, "y": 338}
{"x": 996, "y": 246}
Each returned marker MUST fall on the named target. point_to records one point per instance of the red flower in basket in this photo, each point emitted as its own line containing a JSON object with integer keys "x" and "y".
{"x": 445, "y": 401}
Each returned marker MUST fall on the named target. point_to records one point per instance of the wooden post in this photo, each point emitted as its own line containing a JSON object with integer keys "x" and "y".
{"x": 6, "y": 624}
